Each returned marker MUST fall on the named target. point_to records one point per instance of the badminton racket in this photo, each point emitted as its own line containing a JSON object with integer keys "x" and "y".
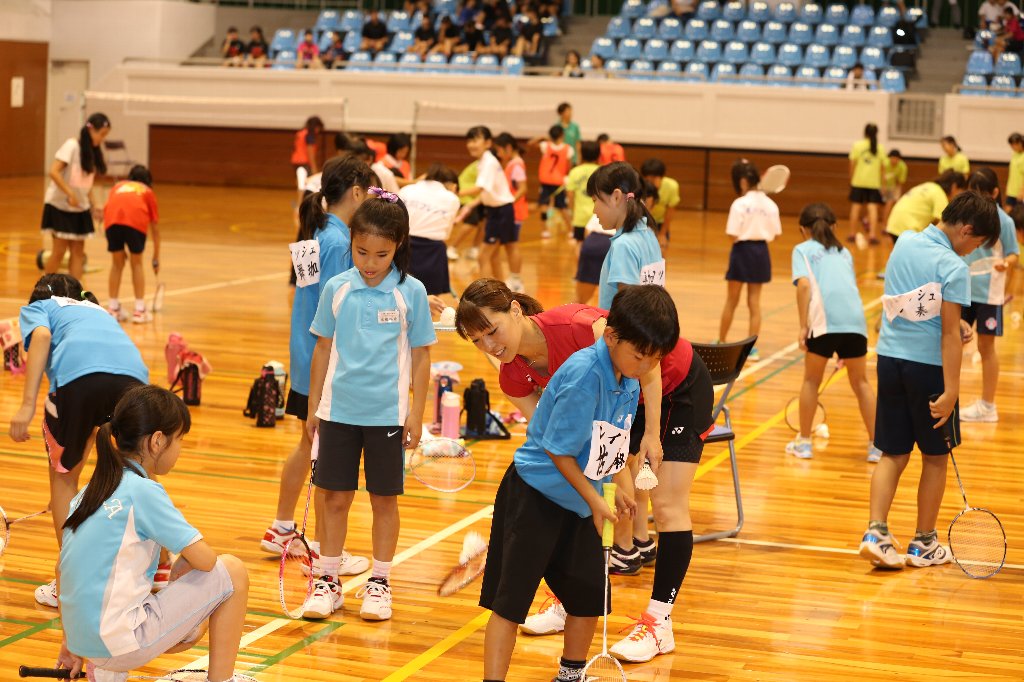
{"x": 774, "y": 179}
{"x": 181, "y": 675}
{"x": 442, "y": 464}
{"x": 818, "y": 426}
{"x": 603, "y": 666}
{"x": 158, "y": 298}
{"x": 471, "y": 564}
{"x": 983, "y": 266}
{"x": 295, "y": 579}
{"x": 5, "y": 526}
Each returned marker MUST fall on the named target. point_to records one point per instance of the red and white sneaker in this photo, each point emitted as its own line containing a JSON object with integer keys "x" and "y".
{"x": 273, "y": 541}
{"x": 648, "y": 639}
{"x": 549, "y": 619}
{"x": 162, "y": 577}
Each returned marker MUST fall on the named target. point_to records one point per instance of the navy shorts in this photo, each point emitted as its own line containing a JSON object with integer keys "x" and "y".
{"x": 548, "y": 192}
{"x": 845, "y": 345}
{"x": 749, "y": 262}
{"x": 685, "y": 417}
{"x": 595, "y": 247}
{"x": 500, "y": 227}
{"x": 430, "y": 265}
{"x": 865, "y": 195}
{"x": 902, "y": 416}
{"x": 579, "y": 233}
{"x": 120, "y": 236}
{"x": 297, "y": 405}
{"x": 342, "y": 445}
{"x": 476, "y": 216}
{"x": 988, "y": 317}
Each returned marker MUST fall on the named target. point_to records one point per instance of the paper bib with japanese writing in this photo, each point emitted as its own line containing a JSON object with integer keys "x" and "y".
{"x": 918, "y": 305}
{"x": 609, "y": 448}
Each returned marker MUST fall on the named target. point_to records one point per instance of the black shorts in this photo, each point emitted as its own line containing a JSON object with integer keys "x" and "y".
{"x": 750, "y": 262}
{"x": 341, "y": 445}
{"x": 988, "y": 317}
{"x": 579, "y": 233}
{"x": 685, "y": 417}
{"x": 476, "y": 216}
{"x": 75, "y": 409}
{"x": 120, "y": 236}
{"x": 430, "y": 265}
{"x": 865, "y": 195}
{"x": 500, "y": 227}
{"x": 534, "y": 538}
{"x": 845, "y": 345}
{"x": 902, "y": 417}
{"x": 548, "y": 192}
{"x": 592, "y": 253}
{"x": 297, "y": 405}
{"x": 1011, "y": 201}
{"x": 67, "y": 224}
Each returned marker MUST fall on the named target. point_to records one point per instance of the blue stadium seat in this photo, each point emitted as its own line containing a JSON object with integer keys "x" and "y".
{"x": 696, "y": 71}
{"x": 853, "y": 36}
{"x": 844, "y": 56}
{"x": 800, "y": 33}
{"x": 837, "y": 14}
{"x": 709, "y": 51}
{"x": 893, "y": 81}
{"x": 284, "y": 39}
{"x": 359, "y": 61}
{"x": 401, "y": 42}
{"x": 759, "y": 12}
{"x": 980, "y": 62}
{"x": 983, "y": 39}
{"x": 696, "y": 29}
{"x": 641, "y": 69}
{"x": 735, "y": 53}
{"x": 657, "y": 8}
{"x": 615, "y": 66}
{"x": 632, "y": 9}
{"x": 880, "y": 36}
{"x": 785, "y": 12}
{"x": 722, "y": 71}
{"x": 774, "y": 32}
{"x": 682, "y": 50}
{"x": 812, "y": 13}
{"x": 709, "y": 10}
{"x": 779, "y": 74}
{"x": 721, "y": 30}
{"x": 284, "y": 60}
{"x": 436, "y": 63}
{"x": 1008, "y": 64}
{"x": 762, "y": 54}
{"x": 629, "y": 49}
{"x": 748, "y": 31}
{"x": 325, "y": 41}
{"x": 603, "y": 47}
{"x": 973, "y": 84}
{"x": 512, "y": 65}
{"x": 790, "y": 55}
{"x": 751, "y": 75}
{"x": 618, "y": 28}
{"x": 644, "y": 29}
{"x": 408, "y": 62}
{"x": 834, "y": 77}
{"x": 862, "y": 15}
{"x": 734, "y": 11}
{"x": 809, "y": 76}
{"x": 916, "y": 16}
{"x": 398, "y": 21}
{"x": 1003, "y": 86}
{"x": 448, "y": 7}
{"x": 873, "y": 58}
{"x": 385, "y": 61}
{"x": 887, "y": 16}
{"x": 549, "y": 27}
{"x": 670, "y": 28}
{"x": 817, "y": 56}
{"x": 656, "y": 50}
{"x": 487, "y": 65}
{"x": 352, "y": 41}
{"x": 351, "y": 20}
{"x": 870, "y": 75}
{"x": 326, "y": 22}
{"x": 669, "y": 70}
{"x": 826, "y": 34}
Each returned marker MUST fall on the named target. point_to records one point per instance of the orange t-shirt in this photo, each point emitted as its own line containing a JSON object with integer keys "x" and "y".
{"x": 132, "y": 204}
{"x": 380, "y": 149}
{"x": 611, "y": 152}
{"x": 515, "y": 172}
{"x": 554, "y": 163}
{"x": 303, "y": 139}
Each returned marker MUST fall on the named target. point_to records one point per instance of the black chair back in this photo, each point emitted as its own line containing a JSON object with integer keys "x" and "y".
{"x": 725, "y": 360}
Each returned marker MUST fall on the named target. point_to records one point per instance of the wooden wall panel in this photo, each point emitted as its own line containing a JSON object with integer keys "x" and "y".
{"x": 26, "y": 124}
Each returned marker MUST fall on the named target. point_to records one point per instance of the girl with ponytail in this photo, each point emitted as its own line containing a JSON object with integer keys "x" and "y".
{"x": 70, "y": 202}
{"x": 831, "y": 323}
{"x": 120, "y": 522}
{"x": 867, "y": 159}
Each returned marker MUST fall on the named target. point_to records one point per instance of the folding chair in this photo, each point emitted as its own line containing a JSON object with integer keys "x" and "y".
{"x": 725, "y": 362}
{"x": 117, "y": 155}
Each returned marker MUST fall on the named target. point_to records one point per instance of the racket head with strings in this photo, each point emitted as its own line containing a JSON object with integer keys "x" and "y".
{"x": 295, "y": 579}
{"x": 775, "y": 179}
{"x": 158, "y": 298}
{"x": 442, "y": 464}
{"x": 793, "y": 415}
{"x": 982, "y": 266}
{"x": 977, "y": 541}
{"x": 463, "y": 574}
{"x": 603, "y": 667}
{"x": 5, "y": 531}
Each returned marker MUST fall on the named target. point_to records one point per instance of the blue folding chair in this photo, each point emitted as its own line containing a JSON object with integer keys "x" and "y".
{"x": 641, "y": 69}
{"x": 887, "y": 16}
{"x": 696, "y": 29}
{"x": 853, "y": 36}
{"x": 603, "y": 48}
{"x": 837, "y": 14}
{"x": 696, "y": 71}
{"x": 748, "y": 31}
{"x": 669, "y": 70}
{"x": 983, "y": 39}
{"x": 512, "y": 65}
{"x": 809, "y": 77}
{"x": 436, "y": 63}
{"x": 682, "y": 50}
{"x": 326, "y": 22}
{"x": 751, "y": 74}
{"x": 385, "y": 61}
{"x": 549, "y": 27}
{"x": 812, "y": 13}
{"x": 709, "y": 51}
{"x": 735, "y": 53}
{"x": 844, "y": 57}
{"x": 615, "y": 66}
{"x": 893, "y": 81}
{"x": 762, "y": 54}
{"x": 834, "y": 77}
{"x": 774, "y": 32}
{"x": 1008, "y": 64}
{"x": 644, "y": 29}
{"x": 629, "y": 49}
{"x": 398, "y": 21}
{"x": 409, "y": 62}
{"x": 980, "y": 63}
{"x": 352, "y": 41}
{"x": 862, "y": 15}
{"x": 785, "y": 12}
{"x": 401, "y": 42}
{"x": 917, "y": 17}
{"x": 723, "y": 73}
{"x": 709, "y": 10}
{"x": 670, "y": 28}
{"x": 759, "y": 12}
{"x": 284, "y": 39}
{"x": 973, "y": 84}
{"x": 800, "y": 33}
{"x": 817, "y": 56}
{"x": 360, "y": 61}
{"x": 488, "y": 65}
{"x": 284, "y": 60}
{"x": 656, "y": 50}
{"x": 826, "y": 34}
{"x": 1003, "y": 86}
{"x": 734, "y": 11}
{"x": 780, "y": 75}
{"x": 880, "y": 36}
{"x": 351, "y": 20}
{"x": 632, "y": 9}
{"x": 721, "y": 30}
{"x": 873, "y": 58}
{"x": 790, "y": 55}
{"x": 618, "y": 28}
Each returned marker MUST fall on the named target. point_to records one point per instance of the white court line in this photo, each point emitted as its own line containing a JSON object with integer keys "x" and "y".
{"x": 204, "y": 661}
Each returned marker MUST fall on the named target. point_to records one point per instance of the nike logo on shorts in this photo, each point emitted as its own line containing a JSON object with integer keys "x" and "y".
{"x": 393, "y": 433}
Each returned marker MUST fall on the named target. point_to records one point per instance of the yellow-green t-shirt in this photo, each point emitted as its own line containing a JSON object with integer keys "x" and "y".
{"x": 957, "y": 162}
{"x": 1015, "y": 183}
{"x": 895, "y": 173}
{"x": 668, "y": 197}
{"x": 867, "y": 171}
{"x": 917, "y": 209}
{"x": 467, "y": 178}
{"x": 576, "y": 182}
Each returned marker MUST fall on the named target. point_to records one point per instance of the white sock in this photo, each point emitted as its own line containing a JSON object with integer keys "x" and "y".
{"x": 284, "y": 525}
{"x": 315, "y": 545}
{"x": 140, "y": 305}
{"x": 330, "y": 565}
{"x": 659, "y": 610}
{"x": 381, "y": 569}
{"x": 114, "y": 304}
{"x": 987, "y": 405}
{"x": 513, "y": 275}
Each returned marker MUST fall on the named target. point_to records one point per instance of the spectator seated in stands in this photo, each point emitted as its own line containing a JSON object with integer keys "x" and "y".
{"x": 375, "y": 34}
{"x": 990, "y": 14}
{"x": 683, "y": 10}
{"x": 467, "y": 14}
{"x": 257, "y": 50}
{"x": 307, "y": 54}
{"x": 233, "y": 49}
{"x": 472, "y": 39}
{"x": 447, "y": 37}
{"x": 1011, "y": 38}
{"x": 335, "y": 52}
{"x": 528, "y": 44}
{"x": 855, "y": 79}
{"x": 596, "y": 69}
{"x": 572, "y": 68}
{"x": 501, "y": 38}
{"x": 424, "y": 38}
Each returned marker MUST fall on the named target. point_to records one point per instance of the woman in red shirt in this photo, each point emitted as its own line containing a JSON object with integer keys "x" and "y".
{"x": 307, "y": 142}
{"x": 531, "y": 344}
{"x": 131, "y": 214}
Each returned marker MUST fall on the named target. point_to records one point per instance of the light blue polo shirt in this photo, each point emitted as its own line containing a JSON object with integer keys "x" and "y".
{"x": 835, "y": 300}
{"x": 991, "y": 287}
{"x": 918, "y": 260}
{"x": 107, "y": 564}
{"x": 581, "y": 395}
{"x": 84, "y": 339}
{"x": 629, "y": 254}
{"x": 335, "y": 258}
{"x": 374, "y": 331}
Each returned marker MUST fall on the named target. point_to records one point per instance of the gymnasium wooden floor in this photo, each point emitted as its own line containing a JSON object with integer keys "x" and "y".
{"x": 787, "y": 600}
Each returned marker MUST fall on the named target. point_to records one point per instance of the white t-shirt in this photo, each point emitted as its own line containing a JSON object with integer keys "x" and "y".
{"x": 387, "y": 178}
{"x": 79, "y": 182}
{"x": 432, "y": 209}
{"x": 490, "y": 177}
{"x": 754, "y": 217}
{"x": 313, "y": 182}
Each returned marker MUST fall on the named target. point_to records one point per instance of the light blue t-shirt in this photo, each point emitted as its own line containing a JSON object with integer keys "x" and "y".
{"x": 633, "y": 258}
{"x": 374, "y": 331}
{"x": 84, "y": 339}
{"x": 923, "y": 271}
{"x": 582, "y": 401}
{"x": 107, "y": 564}
{"x": 990, "y": 287}
{"x": 835, "y": 300}
{"x": 335, "y": 258}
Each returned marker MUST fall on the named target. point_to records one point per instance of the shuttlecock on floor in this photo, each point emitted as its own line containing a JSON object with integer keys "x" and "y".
{"x": 472, "y": 545}
{"x": 821, "y": 431}
{"x": 646, "y": 480}
{"x": 861, "y": 241}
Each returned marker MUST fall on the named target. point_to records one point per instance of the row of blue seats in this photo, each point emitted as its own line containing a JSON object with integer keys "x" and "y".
{"x": 786, "y": 12}
{"x": 750, "y": 31}
{"x": 1000, "y": 86}
{"x": 980, "y": 64}
{"x": 486, "y": 64}
{"x": 735, "y": 52}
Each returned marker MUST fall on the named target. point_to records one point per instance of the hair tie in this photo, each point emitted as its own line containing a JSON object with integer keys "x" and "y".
{"x": 50, "y": 288}
{"x": 84, "y": 294}
{"x": 380, "y": 193}
{"x": 630, "y": 195}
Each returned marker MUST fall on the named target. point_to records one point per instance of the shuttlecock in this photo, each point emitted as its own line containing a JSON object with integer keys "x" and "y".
{"x": 822, "y": 431}
{"x": 448, "y": 317}
{"x": 646, "y": 480}
{"x": 861, "y": 241}
{"x": 976, "y": 357}
{"x": 472, "y": 545}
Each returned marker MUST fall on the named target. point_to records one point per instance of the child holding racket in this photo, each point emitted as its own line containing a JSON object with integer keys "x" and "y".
{"x": 831, "y": 322}
{"x": 549, "y": 511}
{"x": 343, "y": 187}
{"x": 988, "y": 294}
{"x": 919, "y": 353}
{"x": 129, "y": 215}
{"x": 89, "y": 362}
{"x": 118, "y": 524}
{"x": 374, "y": 331}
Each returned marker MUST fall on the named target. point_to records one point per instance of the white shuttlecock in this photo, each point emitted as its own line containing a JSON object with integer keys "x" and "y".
{"x": 646, "y": 479}
{"x": 976, "y": 358}
{"x": 448, "y": 317}
{"x": 472, "y": 545}
{"x": 822, "y": 431}
{"x": 861, "y": 241}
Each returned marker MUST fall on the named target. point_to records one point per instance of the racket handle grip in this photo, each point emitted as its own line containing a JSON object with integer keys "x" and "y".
{"x": 52, "y": 673}
{"x": 608, "y": 531}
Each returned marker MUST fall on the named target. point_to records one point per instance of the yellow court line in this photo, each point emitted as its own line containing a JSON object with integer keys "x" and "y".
{"x": 421, "y": 661}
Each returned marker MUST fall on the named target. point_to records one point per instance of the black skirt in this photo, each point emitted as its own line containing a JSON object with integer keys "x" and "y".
{"x": 430, "y": 265}
{"x": 67, "y": 224}
{"x": 750, "y": 262}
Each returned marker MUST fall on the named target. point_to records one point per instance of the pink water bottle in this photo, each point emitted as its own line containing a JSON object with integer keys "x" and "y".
{"x": 450, "y": 409}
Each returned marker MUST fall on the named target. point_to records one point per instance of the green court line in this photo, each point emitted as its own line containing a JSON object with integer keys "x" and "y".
{"x": 15, "y": 621}
{"x": 21, "y": 581}
{"x": 294, "y": 648}
{"x": 35, "y": 629}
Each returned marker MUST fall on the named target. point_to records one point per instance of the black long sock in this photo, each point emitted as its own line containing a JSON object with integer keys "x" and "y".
{"x": 674, "y": 552}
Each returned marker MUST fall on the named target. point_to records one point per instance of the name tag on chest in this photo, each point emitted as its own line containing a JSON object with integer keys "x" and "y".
{"x": 306, "y": 262}
{"x": 609, "y": 447}
{"x": 387, "y": 317}
{"x": 918, "y": 305}
{"x": 653, "y": 273}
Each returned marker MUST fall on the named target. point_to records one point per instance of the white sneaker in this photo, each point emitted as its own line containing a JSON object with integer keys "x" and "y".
{"x": 976, "y": 412}
{"x": 515, "y": 285}
{"x": 141, "y": 317}
{"x": 800, "y": 448}
{"x": 376, "y": 596}
{"x": 549, "y": 620}
{"x": 46, "y": 595}
{"x": 273, "y": 541}
{"x": 351, "y": 564}
{"x": 881, "y": 550}
{"x": 648, "y": 639}
{"x": 874, "y": 454}
{"x": 325, "y": 600}
{"x": 921, "y": 555}
{"x": 453, "y": 253}
{"x": 473, "y": 253}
